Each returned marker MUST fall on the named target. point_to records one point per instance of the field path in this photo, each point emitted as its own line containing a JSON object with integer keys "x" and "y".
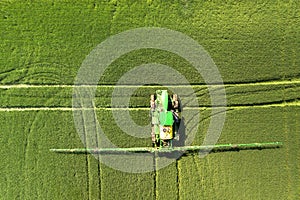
{"x": 59, "y": 97}
{"x": 186, "y": 108}
{"x": 277, "y": 82}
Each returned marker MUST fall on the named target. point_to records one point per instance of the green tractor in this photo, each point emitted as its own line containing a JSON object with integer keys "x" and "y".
{"x": 165, "y": 112}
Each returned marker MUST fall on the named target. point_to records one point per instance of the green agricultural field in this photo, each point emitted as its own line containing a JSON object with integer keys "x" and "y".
{"x": 254, "y": 44}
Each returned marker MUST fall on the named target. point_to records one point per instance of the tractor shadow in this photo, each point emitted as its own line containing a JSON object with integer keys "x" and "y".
{"x": 182, "y": 135}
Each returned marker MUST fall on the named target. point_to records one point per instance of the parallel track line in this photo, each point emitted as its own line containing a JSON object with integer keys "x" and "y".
{"x": 297, "y": 103}
{"x": 280, "y": 82}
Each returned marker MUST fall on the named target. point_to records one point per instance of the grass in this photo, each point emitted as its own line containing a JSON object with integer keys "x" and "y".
{"x": 48, "y": 44}
{"x": 167, "y": 182}
{"x": 118, "y": 185}
{"x": 28, "y": 170}
{"x": 254, "y": 174}
{"x": 247, "y": 174}
{"x": 255, "y": 46}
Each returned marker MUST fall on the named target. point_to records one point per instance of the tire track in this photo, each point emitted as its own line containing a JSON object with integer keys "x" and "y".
{"x": 177, "y": 179}
{"x": 32, "y": 70}
{"x": 27, "y": 153}
{"x": 268, "y": 105}
{"x": 154, "y": 176}
{"x": 86, "y": 161}
{"x": 98, "y": 157}
{"x": 235, "y": 93}
{"x": 278, "y": 82}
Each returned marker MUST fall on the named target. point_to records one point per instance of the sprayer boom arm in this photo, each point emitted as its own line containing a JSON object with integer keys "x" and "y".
{"x": 217, "y": 147}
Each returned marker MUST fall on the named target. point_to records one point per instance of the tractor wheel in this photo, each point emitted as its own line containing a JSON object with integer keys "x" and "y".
{"x": 175, "y": 102}
{"x": 152, "y": 102}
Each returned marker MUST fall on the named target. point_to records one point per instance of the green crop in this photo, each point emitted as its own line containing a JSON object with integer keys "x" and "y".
{"x": 255, "y": 45}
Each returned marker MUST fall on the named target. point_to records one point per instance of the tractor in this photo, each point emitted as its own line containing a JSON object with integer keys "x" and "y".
{"x": 165, "y": 114}
{"x": 165, "y": 117}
